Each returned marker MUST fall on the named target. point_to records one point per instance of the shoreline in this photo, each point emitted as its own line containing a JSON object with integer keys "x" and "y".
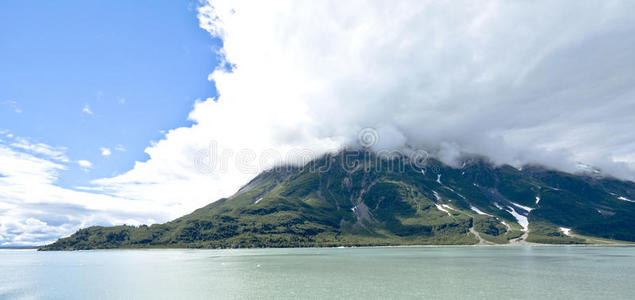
{"x": 347, "y": 247}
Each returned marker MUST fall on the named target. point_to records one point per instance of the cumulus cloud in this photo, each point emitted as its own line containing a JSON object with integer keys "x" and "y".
{"x": 87, "y": 110}
{"x": 105, "y": 151}
{"x": 546, "y": 82}
{"x": 85, "y": 164}
{"x": 34, "y": 210}
{"x": 519, "y": 82}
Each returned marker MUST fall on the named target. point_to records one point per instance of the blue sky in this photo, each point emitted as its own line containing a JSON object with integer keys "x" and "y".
{"x": 138, "y": 66}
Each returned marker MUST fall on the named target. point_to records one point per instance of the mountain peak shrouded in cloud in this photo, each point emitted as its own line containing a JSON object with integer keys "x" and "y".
{"x": 543, "y": 83}
{"x": 547, "y": 83}
{"x": 520, "y": 83}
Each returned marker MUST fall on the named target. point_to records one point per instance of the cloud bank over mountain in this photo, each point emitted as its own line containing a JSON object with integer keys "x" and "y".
{"x": 520, "y": 82}
{"x": 547, "y": 83}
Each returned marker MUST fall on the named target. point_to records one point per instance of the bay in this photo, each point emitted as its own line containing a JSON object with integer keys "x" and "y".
{"x": 499, "y": 272}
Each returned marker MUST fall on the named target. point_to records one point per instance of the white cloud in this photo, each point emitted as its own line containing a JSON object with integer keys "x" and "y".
{"x": 14, "y": 106}
{"x": 85, "y": 165}
{"x": 120, "y": 148}
{"x": 105, "y": 151}
{"x": 87, "y": 110}
{"x": 520, "y": 82}
{"x": 34, "y": 210}
{"x": 48, "y": 152}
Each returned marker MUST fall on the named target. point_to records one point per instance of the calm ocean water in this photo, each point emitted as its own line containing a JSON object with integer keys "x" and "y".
{"x": 361, "y": 273}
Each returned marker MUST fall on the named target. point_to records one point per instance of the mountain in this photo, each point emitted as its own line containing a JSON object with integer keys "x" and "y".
{"x": 357, "y": 199}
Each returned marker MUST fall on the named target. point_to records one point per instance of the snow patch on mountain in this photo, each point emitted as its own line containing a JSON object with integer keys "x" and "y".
{"x": 566, "y": 231}
{"x": 478, "y": 211}
{"x": 436, "y": 195}
{"x": 439, "y": 207}
{"x": 522, "y": 220}
{"x": 453, "y": 191}
{"x": 526, "y": 208}
{"x": 506, "y": 225}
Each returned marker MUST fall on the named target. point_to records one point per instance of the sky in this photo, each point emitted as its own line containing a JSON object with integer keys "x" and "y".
{"x": 140, "y": 112}
{"x": 101, "y": 74}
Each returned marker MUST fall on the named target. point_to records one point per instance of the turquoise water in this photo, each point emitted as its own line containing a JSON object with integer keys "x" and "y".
{"x": 352, "y": 273}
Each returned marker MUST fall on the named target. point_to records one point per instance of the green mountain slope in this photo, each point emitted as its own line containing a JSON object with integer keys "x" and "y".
{"x": 356, "y": 199}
